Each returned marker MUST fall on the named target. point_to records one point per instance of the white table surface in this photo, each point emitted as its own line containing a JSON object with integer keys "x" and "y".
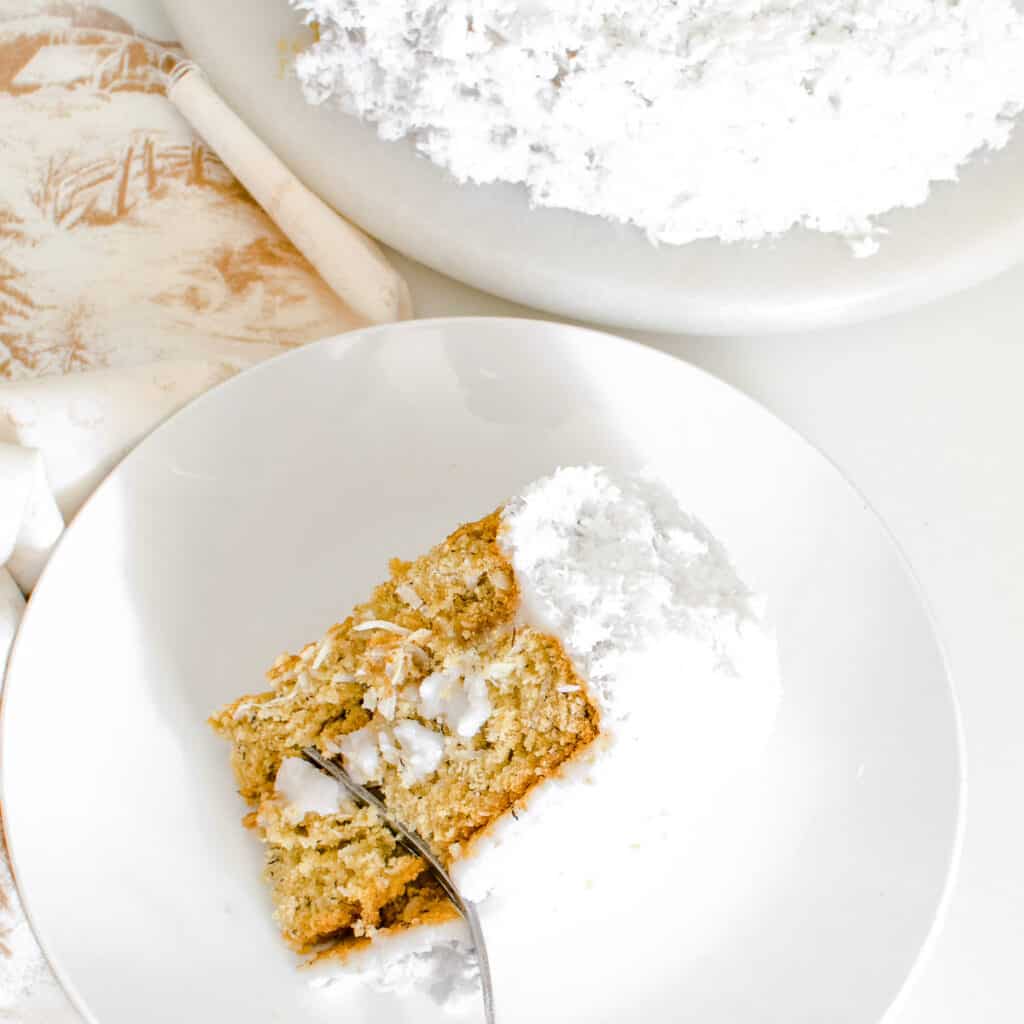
{"x": 923, "y": 413}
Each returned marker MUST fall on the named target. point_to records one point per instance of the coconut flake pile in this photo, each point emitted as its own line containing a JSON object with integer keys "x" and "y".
{"x": 691, "y": 119}
{"x": 612, "y": 567}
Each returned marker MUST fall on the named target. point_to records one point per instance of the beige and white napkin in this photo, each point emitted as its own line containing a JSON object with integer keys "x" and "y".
{"x": 136, "y": 272}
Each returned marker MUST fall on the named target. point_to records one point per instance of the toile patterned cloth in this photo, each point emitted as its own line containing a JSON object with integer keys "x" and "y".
{"x": 135, "y": 273}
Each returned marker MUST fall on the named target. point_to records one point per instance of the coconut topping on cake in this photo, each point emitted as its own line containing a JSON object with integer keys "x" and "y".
{"x": 613, "y": 566}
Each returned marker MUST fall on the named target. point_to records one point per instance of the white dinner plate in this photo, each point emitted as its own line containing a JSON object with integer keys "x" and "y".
{"x": 585, "y": 267}
{"x": 257, "y": 516}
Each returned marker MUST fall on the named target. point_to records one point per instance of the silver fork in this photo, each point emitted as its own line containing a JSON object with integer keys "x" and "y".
{"x": 418, "y": 846}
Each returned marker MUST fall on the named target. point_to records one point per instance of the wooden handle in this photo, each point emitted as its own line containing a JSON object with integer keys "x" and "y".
{"x": 349, "y": 261}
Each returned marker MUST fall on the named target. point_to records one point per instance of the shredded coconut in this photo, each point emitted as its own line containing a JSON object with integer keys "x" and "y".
{"x": 418, "y": 655}
{"x": 613, "y": 568}
{"x": 382, "y": 624}
{"x": 407, "y": 593}
{"x": 691, "y": 119}
{"x": 398, "y": 667}
{"x": 300, "y": 686}
{"x": 321, "y": 655}
{"x": 386, "y": 705}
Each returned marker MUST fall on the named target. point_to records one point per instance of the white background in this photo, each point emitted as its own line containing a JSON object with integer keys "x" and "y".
{"x": 923, "y": 413}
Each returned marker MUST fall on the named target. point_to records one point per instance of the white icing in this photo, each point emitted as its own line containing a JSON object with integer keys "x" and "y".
{"x": 412, "y": 748}
{"x": 457, "y": 696}
{"x": 422, "y": 750}
{"x": 361, "y": 754}
{"x": 305, "y": 789}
